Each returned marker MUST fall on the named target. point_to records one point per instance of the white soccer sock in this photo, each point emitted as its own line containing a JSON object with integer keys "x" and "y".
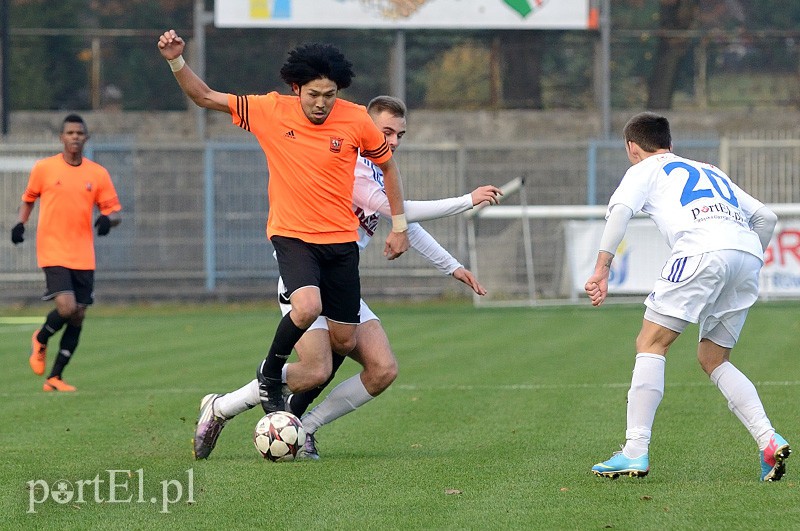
{"x": 744, "y": 402}
{"x": 644, "y": 396}
{"x": 231, "y": 404}
{"x": 344, "y": 398}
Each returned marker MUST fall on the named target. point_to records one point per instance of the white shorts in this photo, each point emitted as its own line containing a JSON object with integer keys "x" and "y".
{"x": 710, "y": 289}
{"x": 365, "y": 313}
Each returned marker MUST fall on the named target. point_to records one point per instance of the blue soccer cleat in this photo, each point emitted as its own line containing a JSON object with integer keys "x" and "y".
{"x": 619, "y": 465}
{"x": 773, "y": 459}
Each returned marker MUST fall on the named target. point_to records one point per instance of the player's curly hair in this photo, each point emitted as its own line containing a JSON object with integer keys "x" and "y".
{"x": 316, "y": 60}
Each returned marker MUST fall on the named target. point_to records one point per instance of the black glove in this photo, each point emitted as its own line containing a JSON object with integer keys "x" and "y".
{"x": 17, "y": 232}
{"x": 103, "y": 225}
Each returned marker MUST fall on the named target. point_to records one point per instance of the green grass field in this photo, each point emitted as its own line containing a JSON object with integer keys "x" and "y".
{"x": 494, "y": 423}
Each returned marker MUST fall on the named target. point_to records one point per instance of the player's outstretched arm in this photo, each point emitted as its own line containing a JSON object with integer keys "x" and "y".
{"x": 368, "y": 195}
{"x": 465, "y": 275}
{"x": 171, "y": 47}
{"x": 440, "y": 208}
{"x": 427, "y": 246}
{"x": 486, "y": 194}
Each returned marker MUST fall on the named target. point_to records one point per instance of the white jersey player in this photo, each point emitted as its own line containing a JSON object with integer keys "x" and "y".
{"x": 317, "y": 364}
{"x": 717, "y": 234}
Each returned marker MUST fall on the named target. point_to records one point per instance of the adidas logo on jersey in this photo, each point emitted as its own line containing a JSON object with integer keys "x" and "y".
{"x": 290, "y": 134}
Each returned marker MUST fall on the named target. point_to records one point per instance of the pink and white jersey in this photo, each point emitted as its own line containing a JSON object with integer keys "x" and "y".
{"x": 695, "y": 205}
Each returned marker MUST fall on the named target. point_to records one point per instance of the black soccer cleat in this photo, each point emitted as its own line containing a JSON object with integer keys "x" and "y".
{"x": 270, "y": 392}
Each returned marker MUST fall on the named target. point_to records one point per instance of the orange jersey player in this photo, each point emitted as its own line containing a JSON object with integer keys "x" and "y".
{"x": 310, "y": 166}
{"x": 311, "y": 140}
{"x": 68, "y": 187}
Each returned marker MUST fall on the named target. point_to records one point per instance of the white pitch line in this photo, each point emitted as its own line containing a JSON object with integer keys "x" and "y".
{"x": 402, "y": 387}
{"x": 545, "y": 387}
{"x": 20, "y": 320}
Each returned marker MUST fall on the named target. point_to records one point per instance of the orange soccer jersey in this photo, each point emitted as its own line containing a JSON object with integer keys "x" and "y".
{"x": 310, "y": 166}
{"x": 68, "y": 194}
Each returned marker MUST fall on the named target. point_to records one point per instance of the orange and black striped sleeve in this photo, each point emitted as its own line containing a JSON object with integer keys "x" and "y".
{"x": 241, "y": 106}
{"x": 378, "y": 153}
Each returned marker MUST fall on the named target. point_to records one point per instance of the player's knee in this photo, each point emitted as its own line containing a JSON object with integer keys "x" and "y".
{"x": 389, "y": 375}
{"x": 318, "y": 376}
{"x": 648, "y": 344}
{"x": 77, "y": 316}
{"x": 379, "y": 376}
{"x": 69, "y": 311}
{"x": 343, "y": 344}
{"x": 711, "y": 355}
{"x": 305, "y": 313}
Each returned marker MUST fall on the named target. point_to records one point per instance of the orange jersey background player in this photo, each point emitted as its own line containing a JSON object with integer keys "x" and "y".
{"x": 68, "y": 187}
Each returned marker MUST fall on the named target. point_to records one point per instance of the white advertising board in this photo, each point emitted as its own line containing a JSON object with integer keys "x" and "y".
{"x": 408, "y": 14}
{"x": 636, "y": 266}
{"x": 643, "y": 253}
{"x": 780, "y": 276}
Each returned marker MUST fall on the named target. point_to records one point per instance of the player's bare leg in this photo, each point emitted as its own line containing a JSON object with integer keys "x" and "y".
{"x": 313, "y": 367}
{"x": 379, "y": 364}
{"x": 342, "y": 337}
{"x": 375, "y": 355}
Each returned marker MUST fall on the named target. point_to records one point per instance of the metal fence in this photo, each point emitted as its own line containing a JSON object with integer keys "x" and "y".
{"x": 194, "y": 214}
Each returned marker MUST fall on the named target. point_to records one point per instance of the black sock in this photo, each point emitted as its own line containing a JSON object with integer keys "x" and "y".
{"x": 286, "y": 336}
{"x": 61, "y": 361}
{"x": 69, "y": 342}
{"x": 52, "y": 324}
{"x": 300, "y": 401}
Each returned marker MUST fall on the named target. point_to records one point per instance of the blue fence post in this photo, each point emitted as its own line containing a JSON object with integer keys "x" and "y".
{"x": 209, "y": 226}
{"x": 591, "y": 174}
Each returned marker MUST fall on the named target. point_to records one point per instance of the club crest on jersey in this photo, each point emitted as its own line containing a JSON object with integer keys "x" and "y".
{"x": 88, "y": 187}
{"x": 336, "y": 144}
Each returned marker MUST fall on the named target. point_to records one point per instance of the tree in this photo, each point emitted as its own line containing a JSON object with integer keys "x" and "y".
{"x": 671, "y": 50}
{"x": 522, "y": 68}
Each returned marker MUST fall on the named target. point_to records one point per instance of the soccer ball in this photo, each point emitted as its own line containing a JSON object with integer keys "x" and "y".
{"x": 278, "y": 436}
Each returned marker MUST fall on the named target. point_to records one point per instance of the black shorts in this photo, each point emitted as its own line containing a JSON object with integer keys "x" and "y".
{"x": 332, "y": 267}
{"x": 78, "y": 281}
